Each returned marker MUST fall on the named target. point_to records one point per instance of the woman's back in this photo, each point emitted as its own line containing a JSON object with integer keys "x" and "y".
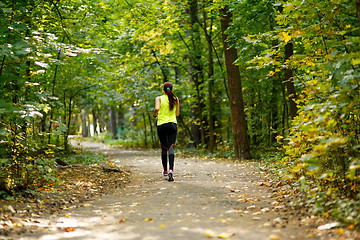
{"x": 166, "y": 115}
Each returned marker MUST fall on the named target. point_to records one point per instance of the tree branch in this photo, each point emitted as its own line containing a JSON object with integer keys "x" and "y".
{"x": 217, "y": 55}
{"x": 61, "y": 20}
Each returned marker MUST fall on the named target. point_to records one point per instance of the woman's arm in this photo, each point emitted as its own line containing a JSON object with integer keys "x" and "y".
{"x": 177, "y": 107}
{"x": 157, "y": 106}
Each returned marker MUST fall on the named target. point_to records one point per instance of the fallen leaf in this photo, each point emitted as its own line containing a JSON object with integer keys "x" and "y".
{"x": 267, "y": 224}
{"x": 340, "y": 231}
{"x": 17, "y": 225}
{"x": 69, "y": 229}
{"x": 225, "y": 235}
{"x": 225, "y": 220}
{"x": 210, "y": 234}
{"x": 265, "y": 210}
{"x": 122, "y": 221}
{"x": 274, "y": 237}
{"x": 148, "y": 219}
{"x": 277, "y": 220}
{"x": 235, "y": 190}
{"x": 162, "y": 226}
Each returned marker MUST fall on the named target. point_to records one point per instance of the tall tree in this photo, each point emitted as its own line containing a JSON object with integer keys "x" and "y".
{"x": 241, "y": 139}
{"x": 196, "y": 75}
{"x": 208, "y": 31}
{"x": 113, "y": 124}
{"x": 289, "y": 83}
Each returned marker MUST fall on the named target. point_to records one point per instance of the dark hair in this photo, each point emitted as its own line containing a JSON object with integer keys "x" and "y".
{"x": 172, "y": 98}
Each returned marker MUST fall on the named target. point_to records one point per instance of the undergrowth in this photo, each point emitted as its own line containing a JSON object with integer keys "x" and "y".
{"x": 316, "y": 194}
{"x": 22, "y": 178}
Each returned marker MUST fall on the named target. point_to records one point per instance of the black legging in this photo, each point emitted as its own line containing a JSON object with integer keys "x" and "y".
{"x": 167, "y": 134}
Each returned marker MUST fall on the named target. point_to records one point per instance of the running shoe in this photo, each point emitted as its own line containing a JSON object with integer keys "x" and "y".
{"x": 165, "y": 174}
{"x": 171, "y": 176}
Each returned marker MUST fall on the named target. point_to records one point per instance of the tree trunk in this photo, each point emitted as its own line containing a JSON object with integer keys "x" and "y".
{"x": 152, "y": 132}
{"x": 95, "y": 120}
{"x": 208, "y": 36}
{"x": 121, "y": 122}
{"x": 289, "y": 82}
{"x": 145, "y": 129}
{"x": 102, "y": 119}
{"x": 274, "y": 110}
{"x": 177, "y": 74}
{"x": 241, "y": 139}
{"x": 113, "y": 125}
{"x": 285, "y": 111}
{"x": 196, "y": 79}
{"x": 53, "y": 92}
{"x": 88, "y": 123}
{"x": 84, "y": 126}
{"x": 67, "y": 133}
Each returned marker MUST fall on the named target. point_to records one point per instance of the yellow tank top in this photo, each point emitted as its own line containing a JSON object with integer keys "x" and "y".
{"x": 164, "y": 114}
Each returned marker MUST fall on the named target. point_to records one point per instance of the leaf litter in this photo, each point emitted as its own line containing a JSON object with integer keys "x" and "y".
{"x": 78, "y": 185}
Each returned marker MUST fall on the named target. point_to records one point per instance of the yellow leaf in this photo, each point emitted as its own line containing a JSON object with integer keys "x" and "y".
{"x": 279, "y": 138}
{"x": 210, "y": 234}
{"x": 148, "y": 219}
{"x": 340, "y": 231}
{"x": 274, "y": 237}
{"x": 351, "y": 227}
{"x": 297, "y": 33}
{"x": 17, "y": 225}
{"x": 285, "y": 37}
{"x": 162, "y": 226}
{"x": 356, "y": 61}
{"x": 224, "y": 235}
{"x": 271, "y": 73}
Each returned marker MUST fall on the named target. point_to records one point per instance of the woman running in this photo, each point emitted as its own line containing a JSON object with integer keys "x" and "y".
{"x": 167, "y": 107}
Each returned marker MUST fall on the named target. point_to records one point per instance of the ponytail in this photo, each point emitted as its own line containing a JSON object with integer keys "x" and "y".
{"x": 171, "y": 96}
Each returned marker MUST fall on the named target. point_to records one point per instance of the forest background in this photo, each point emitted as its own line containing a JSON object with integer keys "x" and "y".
{"x": 276, "y": 80}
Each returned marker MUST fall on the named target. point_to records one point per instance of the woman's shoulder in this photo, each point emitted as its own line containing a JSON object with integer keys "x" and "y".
{"x": 158, "y": 98}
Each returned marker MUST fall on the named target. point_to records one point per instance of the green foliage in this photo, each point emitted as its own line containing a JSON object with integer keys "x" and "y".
{"x": 322, "y": 148}
{"x": 39, "y": 83}
{"x": 83, "y": 158}
{"x": 18, "y": 175}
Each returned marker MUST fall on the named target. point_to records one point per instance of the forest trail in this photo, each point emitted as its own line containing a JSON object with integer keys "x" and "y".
{"x": 208, "y": 199}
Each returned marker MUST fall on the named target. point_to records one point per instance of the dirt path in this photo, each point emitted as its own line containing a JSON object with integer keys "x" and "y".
{"x": 207, "y": 200}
